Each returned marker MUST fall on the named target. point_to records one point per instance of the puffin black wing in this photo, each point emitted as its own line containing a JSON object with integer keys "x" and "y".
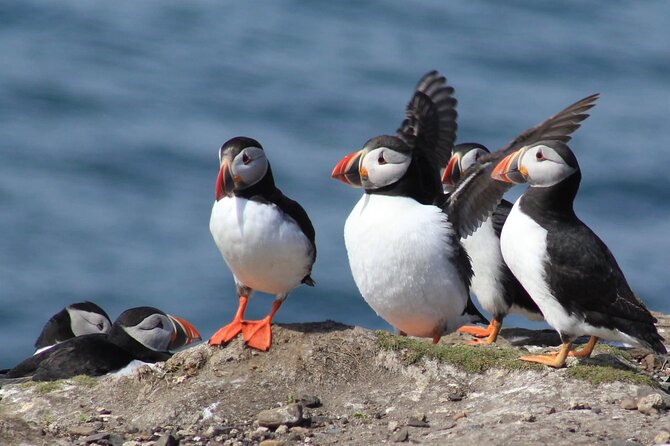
{"x": 91, "y": 355}
{"x": 477, "y": 194}
{"x": 430, "y": 120}
{"x": 293, "y": 209}
{"x": 587, "y": 281}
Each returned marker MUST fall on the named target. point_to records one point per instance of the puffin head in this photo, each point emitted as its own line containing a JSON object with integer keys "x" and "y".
{"x": 155, "y": 330}
{"x": 88, "y": 318}
{"x": 381, "y": 162}
{"x": 242, "y": 163}
{"x": 543, "y": 164}
{"x": 463, "y": 157}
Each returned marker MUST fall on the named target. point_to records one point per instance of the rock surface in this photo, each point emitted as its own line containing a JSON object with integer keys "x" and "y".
{"x": 366, "y": 395}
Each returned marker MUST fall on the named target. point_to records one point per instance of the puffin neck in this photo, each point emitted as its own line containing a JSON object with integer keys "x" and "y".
{"x": 554, "y": 202}
{"x": 265, "y": 187}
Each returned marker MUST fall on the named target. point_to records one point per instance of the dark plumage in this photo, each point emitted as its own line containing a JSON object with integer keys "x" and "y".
{"x": 143, "y": 333}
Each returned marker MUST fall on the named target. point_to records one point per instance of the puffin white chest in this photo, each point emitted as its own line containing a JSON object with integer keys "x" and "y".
{"x": 264, "y": 248}
{"x": 400, "y": 254}
{"x": 483, "y": 247}
{"x": 524, "y": 247}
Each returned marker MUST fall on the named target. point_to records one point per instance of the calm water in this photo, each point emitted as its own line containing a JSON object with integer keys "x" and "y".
{"x": 111, "y": 115}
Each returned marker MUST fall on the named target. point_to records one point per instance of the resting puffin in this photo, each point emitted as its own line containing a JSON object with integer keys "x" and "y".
{"x": 142, "y": 333}
{"x": 76, "y": 319}
{"x": 567, "y": 270}
{"x": 496, "y": 288}
{"x": 266, "y": 239}
{"x": 403, "y": 248}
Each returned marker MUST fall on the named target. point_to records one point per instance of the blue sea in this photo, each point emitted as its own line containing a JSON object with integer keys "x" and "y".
{"x": 112, "y": 113}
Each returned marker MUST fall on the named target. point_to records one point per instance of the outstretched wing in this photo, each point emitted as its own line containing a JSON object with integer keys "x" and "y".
{"x": 429, "y": 127}
{"x": 476, "y": 195}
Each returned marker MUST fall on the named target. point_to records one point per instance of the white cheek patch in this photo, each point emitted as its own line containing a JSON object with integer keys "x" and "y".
{"x": 85, "y": 322}
{"x": 548, "y": 172}
{"x": 380, "y": 175}
{"x": 252, "y": 172}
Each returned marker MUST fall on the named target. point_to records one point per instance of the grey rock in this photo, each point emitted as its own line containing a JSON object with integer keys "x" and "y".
{"x": 528, "y": 417}
{"x": 392, "y": 426}
{"x": 96, "y": 437}
{"x": 167, "y": 440}
{"x": 650, "y": 404}
{"x": 283, "y": 429}
{"x": 417, "y": 422}
{"x": 83, "y": 431}
{"x": 289, "y": 415}
{"x": 400, "y": 436}
{"x": 662, "y": 437}
{"x": 628, "y": 404}
{"x": 310, "y": 401}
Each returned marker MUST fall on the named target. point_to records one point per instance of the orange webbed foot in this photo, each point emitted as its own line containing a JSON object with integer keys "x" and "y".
{"x": 556, "y": 360}
{"x": 478, "y": 332}
{"x": 226, "y": 334}
{"x": 258, "y": 334}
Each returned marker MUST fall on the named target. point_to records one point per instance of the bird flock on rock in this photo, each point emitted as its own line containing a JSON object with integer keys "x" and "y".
{"x": 430, "y": 228}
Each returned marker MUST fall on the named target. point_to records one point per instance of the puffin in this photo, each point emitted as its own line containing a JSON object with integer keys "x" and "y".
{"x": 403, "y": 248}
{"x": 566, "y": 268}
{"x": 142, "y": 333}
{"x": 76, "y": 319}
{"x": 496, "y": 288}
{"x": 266, "y": 239}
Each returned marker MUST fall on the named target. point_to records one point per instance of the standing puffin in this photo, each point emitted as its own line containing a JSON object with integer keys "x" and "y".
{"x": 142, "y": 333}
{"x": 496, "y": 288}
{"x": 404, "y": 251}
{"x": 567, "y": 270}
{"x": 265, "y": 238}
{"x": 77, "y": 319}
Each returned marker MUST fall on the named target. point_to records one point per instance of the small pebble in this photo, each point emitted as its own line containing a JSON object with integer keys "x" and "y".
{"x": 167, "y": 440}
{"x": 400, "y": 436}
{"x": 528, "y": 417}
{"x": 310, "y": 401}
{"x": 650, "y": 404}
{"x": 662, "y": 437}
{"x": 392, "y": 426}
{"x": 628, "y": 404}
{"x": 282, "y": 429}
{"x": 459, "y": 415}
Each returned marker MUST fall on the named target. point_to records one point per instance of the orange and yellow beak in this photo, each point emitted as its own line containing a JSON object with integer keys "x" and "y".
{"x": 183, "y": 333}
{"x": 348, "y": 170}
{"x": 224, "y": 181}
{"x": 508, "y": 169}
{"x": 452, "y": 173}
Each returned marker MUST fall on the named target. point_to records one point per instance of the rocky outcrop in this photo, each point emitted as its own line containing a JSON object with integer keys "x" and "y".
{"x": 327, "y": 383}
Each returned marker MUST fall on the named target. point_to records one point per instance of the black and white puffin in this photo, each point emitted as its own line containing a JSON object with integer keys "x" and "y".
{"x": 142, "y": 333}
{"x": 494, "y": 285}
{"x": 403, "y": 248}
{"x": 76, "y": 319}
{"x": 266, "y": 239}
{"x": 567, "y": 270}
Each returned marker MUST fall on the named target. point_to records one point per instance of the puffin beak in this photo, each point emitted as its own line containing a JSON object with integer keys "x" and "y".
{"x": 183, "y": 333}
{"x": 224, "y": 181}
{"x": 508, "y": 170}
{"x": 452, "y": 173}
{"x": 347, "y": 170}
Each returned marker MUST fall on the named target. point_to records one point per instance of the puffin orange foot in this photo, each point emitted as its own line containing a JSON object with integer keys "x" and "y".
{"x": 478, "y": 332}
{"x": 556, "y": 360}
{"x": 226, "y": 334}
{"x": 258, "y": 334}
{"x": 485, "y": 341}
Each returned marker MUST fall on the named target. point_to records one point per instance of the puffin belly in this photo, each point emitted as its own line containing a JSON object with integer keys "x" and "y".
{"x": 264, "y": 248}
{"x": 399, "y": 253}
{"x": 483, "y": 247}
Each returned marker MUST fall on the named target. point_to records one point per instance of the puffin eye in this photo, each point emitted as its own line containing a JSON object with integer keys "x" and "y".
{"x": 381, "y": 159}
{"x": 99, "y": 325}
{"x": 245, "y": 158}
{"x": 160, "y": 325}
{"x": 539, "y": 156}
